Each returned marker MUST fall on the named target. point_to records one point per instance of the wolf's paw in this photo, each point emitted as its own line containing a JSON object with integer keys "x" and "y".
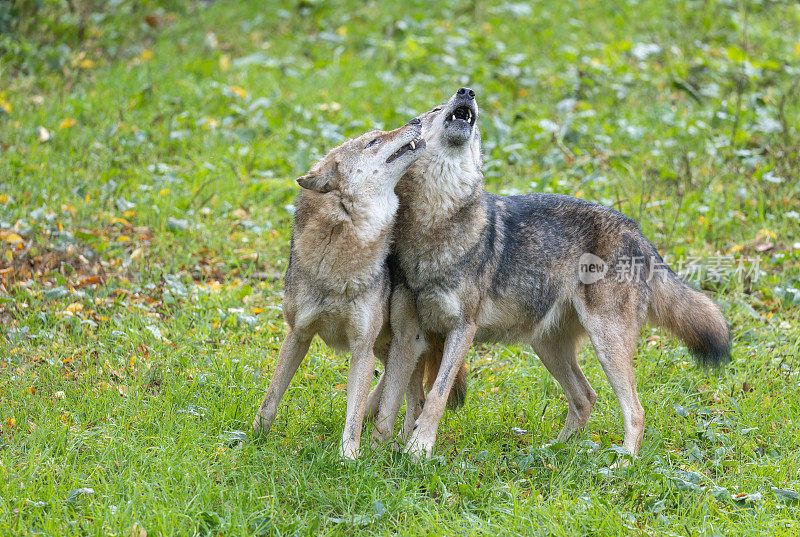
{"x": 621, "y": 463}
{"x": 624, "y": 459}
{"x": 419, "y": 449}
{"x": 258, "y": 427}
{"x": 349, "y": 452}
{"x": 380, "y": 437}
{"x": 567, "y": 435}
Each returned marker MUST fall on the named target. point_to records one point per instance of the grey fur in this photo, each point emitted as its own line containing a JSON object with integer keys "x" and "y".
{"x": 474, "y": 266}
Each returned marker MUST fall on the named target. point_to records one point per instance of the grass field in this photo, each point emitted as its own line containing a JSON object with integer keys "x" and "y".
{"x": 148, "y": 152}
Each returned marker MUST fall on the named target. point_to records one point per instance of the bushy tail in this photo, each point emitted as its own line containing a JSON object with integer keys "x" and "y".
{"x": 692, "y": 316}
{"x": 458, "y": 395}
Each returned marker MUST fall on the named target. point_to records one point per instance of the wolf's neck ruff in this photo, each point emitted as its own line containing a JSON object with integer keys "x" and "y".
{"x": 372, "y": 219}
{"x": 344, "y": 255}
{"x": 439, "y": 186}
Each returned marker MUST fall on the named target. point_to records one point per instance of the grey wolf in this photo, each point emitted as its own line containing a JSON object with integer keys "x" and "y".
{"x": 475, "y": 266}
{"x": 337, "y": 283}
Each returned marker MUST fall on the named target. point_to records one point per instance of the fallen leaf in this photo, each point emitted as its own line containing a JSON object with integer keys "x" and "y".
{"x": 236, "y": 90}
{"x": 11, "y": 237}
{"x": 86, "y": 64}
{"x": 330, "y": 107}
{"x": 91, "y": 280}
{"x": 67, "y": 123}
{"x": 74, "y": 308}
{"x": 118, "y": 220}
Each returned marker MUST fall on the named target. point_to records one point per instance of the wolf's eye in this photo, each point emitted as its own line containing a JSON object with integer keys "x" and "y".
{"x": 377, "y": 140}
{"x": 436, "y": 110}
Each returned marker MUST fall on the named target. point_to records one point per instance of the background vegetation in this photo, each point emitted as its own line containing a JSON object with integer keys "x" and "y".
{"x": 147, "y": 158}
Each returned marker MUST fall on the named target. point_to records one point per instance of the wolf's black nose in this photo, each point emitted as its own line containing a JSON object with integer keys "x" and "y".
{"x": 467, "y": 93}
{"x": 414, "y": 121}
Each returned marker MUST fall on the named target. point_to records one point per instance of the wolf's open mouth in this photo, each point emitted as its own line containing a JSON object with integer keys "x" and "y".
{"x": 413, "y": 145}
{"x": 464, "y": 113}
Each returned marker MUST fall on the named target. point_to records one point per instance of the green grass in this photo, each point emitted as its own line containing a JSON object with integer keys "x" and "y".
{"x": 139, "y": 314}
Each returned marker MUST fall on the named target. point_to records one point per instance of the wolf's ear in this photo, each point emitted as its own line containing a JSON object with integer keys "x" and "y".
{"x": 315, "y": 182}
{"x": 321, "y": 180}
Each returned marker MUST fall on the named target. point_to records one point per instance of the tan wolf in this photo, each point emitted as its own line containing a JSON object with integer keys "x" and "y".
{"x": 539, "y": 269}
{"x": 337, "y": 283}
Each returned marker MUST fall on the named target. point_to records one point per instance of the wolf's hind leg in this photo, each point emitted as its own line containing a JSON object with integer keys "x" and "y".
{"x": 374, "y": 399}
{"x": 614, "y": 341}
{"x": 293, "y": 350}
{"x": 456, "y": 346}
{"x": 557, "y": 353}
{"x": 415, "y": 399}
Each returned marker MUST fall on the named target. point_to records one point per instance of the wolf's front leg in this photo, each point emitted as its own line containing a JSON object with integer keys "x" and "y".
{"x": 456, "y": 346}
{"x": 359, "y": 378}
{"x": 406, "y": 347}
{"x": 293, "y": 350}
{"x": 398, "y": 372}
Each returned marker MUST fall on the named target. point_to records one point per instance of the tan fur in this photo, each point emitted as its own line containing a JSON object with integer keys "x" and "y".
{"x": 337, "y": 284}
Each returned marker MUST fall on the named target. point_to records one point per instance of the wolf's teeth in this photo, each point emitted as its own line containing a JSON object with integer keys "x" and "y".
{"x": 469, "y": 116}
{"x": 454, "y": 117}
{"x": 413, "y": 145}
